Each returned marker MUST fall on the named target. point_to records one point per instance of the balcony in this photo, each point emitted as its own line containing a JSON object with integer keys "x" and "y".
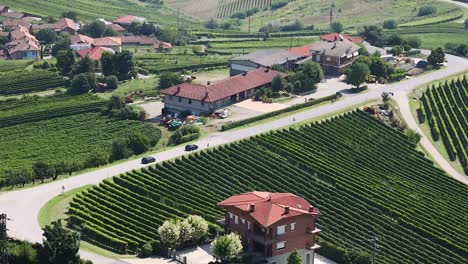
{"x": 313, "y": 231}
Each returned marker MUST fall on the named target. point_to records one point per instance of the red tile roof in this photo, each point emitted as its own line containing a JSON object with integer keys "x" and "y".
{"x": 337, "y": 36}
{"x": 303, "y": 51}
{"x": 126, "y": 20}
{"x": 108, "y": 41}
{"x": 269, "y": 208}
{"x": 79, "y": 39}
{"x": 117, "y": 27}
{"x": 166, "y": 45}
{"x": 95, "y": 53}
{"x": 67, "y": 23}
{"x": 223, "y": 88}
{"x": 138, "y": 40}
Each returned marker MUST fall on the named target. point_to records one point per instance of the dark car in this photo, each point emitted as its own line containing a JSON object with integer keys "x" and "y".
{"x": 191, "y": 147}
{"x": 147, "y": 160}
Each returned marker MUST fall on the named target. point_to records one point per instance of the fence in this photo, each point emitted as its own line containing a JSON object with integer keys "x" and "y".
{"x": 172, "y": 253}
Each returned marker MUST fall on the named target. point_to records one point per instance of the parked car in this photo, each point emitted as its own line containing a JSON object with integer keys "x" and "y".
{"x": 191, "y": 147}
{"x": 147, "y": 160}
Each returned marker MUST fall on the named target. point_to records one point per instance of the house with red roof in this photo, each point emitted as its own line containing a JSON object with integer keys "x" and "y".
{"x": 205, "y": 99}
{"x": 63, "y": 25}
{"x": 272, "y": 225}
{"x": 80, "y": 42}
{"x": 21, "y": 45}
{"x": 332, "y": 37}
{"x": 3, "y": 10}
{"x": 126, "y": 21}
{"x": 114, "y": 43}
{"x": 95, "y": 54}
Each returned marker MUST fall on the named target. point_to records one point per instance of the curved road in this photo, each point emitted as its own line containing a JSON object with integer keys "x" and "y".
{"x": 23, "y": 206}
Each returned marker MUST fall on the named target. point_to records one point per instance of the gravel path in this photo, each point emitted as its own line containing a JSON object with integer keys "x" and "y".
{"x": 23, "y": 206}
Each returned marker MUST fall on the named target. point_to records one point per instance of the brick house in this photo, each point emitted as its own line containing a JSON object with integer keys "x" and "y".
{"x": 114, "y": 43}
{"x": 332, "y": 37}
{"x": 205, "y": 99}
{"x": 21, "y": 45}
{"x": 95, "y": 54}
{"x": 62, "y": 25}
{"x": 334, "y": 56}
{"x": 272, "y": 225}
{"x": 126, "y": 21}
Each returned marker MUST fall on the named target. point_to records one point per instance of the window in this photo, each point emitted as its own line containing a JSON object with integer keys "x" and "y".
{"x": 281, "y": 229}
{"x": 248, "y": 225}
{"x": 293, "y": 226}
{"x": 180, "y": 99}
{"x": 202, "y": 103}
{"x": 231, "y": 217}
{"x": 242, "y": 222}
{"x": 190, "y": 101}
{"x": 280, "y": 245}
{"x": 236, "y": 219}
{"x": 328, "y": 59}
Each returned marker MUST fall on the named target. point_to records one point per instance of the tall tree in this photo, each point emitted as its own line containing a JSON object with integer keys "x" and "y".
{"x": 60, "y": 245}
{"x": 109, "y": 64}
{"x": 277, "y": 84}
{"x": 436, "y": 57}
{"x": 71, "y": 15}
{"x": 336, "y": 27}
{"x": 227, "y": 247}
{"x": 84, "y": 65}
{"x": 373, "y": 34}
{"x": 62, "y": 43}
{"x": 168, "y": 79}
{"x": 46, "y": 37}
{"x": 94, "y": 29}
{"x": 126, "y": 65}
{"x": 83, "y": 83}
{"x": 65, "y": 61}
{"x": 294, "y": 258}
{"x": 42, "y": 171}
{"x": 357, "y": 74}
{"x": 309, "y": 74}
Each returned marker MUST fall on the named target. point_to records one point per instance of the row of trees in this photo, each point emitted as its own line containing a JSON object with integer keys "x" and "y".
{"x": 191, "y": 230}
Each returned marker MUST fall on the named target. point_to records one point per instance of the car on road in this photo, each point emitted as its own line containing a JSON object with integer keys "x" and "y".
{"x": 147, "y": 160}
{"x": 191, "y": 147}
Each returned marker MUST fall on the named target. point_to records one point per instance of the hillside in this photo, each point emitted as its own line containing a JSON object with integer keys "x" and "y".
{"x": 89, "y": 10}
{"x": 377, "y": 184}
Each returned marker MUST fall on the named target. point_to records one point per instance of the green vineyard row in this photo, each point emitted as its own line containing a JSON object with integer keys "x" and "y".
{"x": 445, "y": 107}
{"x": 365, "y": 178}
{"x": 29, "y": 81}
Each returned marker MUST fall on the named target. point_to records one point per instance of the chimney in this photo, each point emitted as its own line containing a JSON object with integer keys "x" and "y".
{"x": 267, "y": 69}
{"x": 311, "y": 208}
{"x": 244, "y": 73}
{"x": 252, "y": 207}
{"x": 178, "y": 90}
{"x": 286, "y": 210}
{"x": 208, "y": 83}
{"x": 258, "y": 66}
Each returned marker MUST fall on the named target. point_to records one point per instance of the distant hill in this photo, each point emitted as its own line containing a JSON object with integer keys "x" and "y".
{"x": 89, "y": 10}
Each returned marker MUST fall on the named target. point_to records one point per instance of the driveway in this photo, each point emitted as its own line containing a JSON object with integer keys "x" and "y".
{"x": 23, "y": 206}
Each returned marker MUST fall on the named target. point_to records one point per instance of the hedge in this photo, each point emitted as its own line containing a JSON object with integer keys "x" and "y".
{"x": 239, "y": 123}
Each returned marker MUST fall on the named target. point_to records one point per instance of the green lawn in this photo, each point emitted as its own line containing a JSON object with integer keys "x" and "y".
{"x": 147, "y": 86}
{"x": 57, "y": 207}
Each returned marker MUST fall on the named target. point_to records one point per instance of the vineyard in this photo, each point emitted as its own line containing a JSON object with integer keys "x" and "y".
{"x": 366, "y": 179}
{"x": 218, "y": 8}
{"x": 445, "y": 109}
{"x": 29, "y": 81}
{"x": 35, "y": 108}
{"x": 157, "y": 63}
{"x": 72, "y": 139}
{"x": 12, "y": 65}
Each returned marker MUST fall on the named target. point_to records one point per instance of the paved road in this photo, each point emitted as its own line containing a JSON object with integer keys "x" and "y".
{"x": 23, "y": 206}
{"x": 464, "y": 5}
{"x": 405, "y": 110}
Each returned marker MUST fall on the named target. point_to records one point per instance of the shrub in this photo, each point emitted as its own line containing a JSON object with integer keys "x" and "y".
{"x": 83, "y": 83}
{"x": 145, "y": 251}
{"x": 336, "y": 27}
{"x": 278, "y": 4}
{"x": 295, "y": 26}
{"x": 185, "y": 134}
{"x": 112, "y": 82}
{"x": 390, "y": 24}
{"x": 427, "y": 10}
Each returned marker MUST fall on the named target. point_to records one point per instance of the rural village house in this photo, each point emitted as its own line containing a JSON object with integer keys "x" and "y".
{"x": 126, "y": 21}
{"x": 334, "y": 56}
{"x": 63, "y": 25}
{"x": 95, "y": 54}
{"x": 21, "y": 45}
{"x": 263, "y": 58}
{"x": 272, "y": 225}
{"x": 205, "y": 99}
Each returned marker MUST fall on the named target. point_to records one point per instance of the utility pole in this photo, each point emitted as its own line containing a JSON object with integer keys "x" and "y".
{"x": 3, "y": 240}
{"x": 374, "y": 248}
{"x": 249, "y": 24}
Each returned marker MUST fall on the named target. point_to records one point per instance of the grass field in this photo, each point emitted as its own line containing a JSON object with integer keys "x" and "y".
{"x": 359, "y": 197}
{"x": 89, "y": 10}
{"x": 351, "y": 14}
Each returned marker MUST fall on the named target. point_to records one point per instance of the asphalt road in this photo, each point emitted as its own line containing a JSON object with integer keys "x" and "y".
{"x": 23, "y": 206}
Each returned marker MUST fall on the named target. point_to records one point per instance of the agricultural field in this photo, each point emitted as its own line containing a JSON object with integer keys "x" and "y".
{"x": 206, "y": 9}
{"x": 13, "y": 65}
{"x": 157, "y": 62}
{"x": 72, "y": 139}
{"x": 89, "y": 10}
{"x": 377, "y": 184}
{"x": 351, "y": 14}
{"x": 20, "y": 82}
{"x": 444, "y": 107}
{"x": 35, "y": 108}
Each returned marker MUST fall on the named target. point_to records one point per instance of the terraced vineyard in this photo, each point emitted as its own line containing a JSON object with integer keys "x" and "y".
{"x": 218, "y": 8}
{"x": 11, "y": 65}
{"x": 445, "y": 109}
{"x": 29, "y": 81}
{"x": 366, "y": 179}
{"x": 35, "y": 108}
{"x": 157, "y": 63}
